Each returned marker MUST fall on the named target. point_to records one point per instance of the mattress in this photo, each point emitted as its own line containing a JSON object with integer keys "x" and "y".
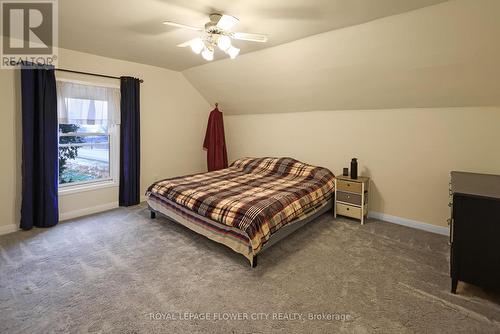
{"x": 246, "y": 203}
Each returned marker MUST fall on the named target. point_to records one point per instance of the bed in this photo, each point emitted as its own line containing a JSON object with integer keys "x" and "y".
{"x": 250, "y": 205}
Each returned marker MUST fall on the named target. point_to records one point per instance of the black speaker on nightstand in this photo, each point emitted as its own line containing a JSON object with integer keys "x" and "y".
{"x": 354, "y": 168}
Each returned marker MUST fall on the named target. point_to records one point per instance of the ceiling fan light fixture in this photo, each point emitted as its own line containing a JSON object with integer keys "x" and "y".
{"x": 224, "y": 42}
{"x": 207, "y": 54}
{"x": 197, "y": 45}
{"x": 217, "y": 34}
{"x": 233, "y": 52}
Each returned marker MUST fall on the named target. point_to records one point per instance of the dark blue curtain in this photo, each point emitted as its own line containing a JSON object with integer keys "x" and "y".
{"x": 39, "y": 153}
{"x": 130, "y": 144}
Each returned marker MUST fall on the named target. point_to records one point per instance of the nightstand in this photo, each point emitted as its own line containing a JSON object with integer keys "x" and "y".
{"x": 351, "y": 197}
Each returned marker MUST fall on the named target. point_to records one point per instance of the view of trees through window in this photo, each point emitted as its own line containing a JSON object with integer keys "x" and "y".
{"x": 83, "y": 153}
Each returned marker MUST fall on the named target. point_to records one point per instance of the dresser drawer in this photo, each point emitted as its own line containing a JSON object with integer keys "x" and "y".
{"x": 350, "y": 186}
{"x": 349, "y": 197}
{"x": 348, "y": 210}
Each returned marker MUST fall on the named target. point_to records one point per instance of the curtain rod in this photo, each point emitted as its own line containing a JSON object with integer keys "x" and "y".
{"x": 94, "y": 74}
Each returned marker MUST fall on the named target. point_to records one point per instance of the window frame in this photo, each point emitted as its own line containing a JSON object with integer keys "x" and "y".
{"x": 114, "y": 153}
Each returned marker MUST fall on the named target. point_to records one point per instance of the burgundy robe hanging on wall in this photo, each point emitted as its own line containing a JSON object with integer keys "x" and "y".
{"x": 215, "y": 142}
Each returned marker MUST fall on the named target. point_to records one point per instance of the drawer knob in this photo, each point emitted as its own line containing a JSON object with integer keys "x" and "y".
{"x": 347, "y": 209}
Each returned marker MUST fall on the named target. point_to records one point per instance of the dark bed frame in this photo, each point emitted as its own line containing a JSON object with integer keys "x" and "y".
{"x": 281, "y": 233}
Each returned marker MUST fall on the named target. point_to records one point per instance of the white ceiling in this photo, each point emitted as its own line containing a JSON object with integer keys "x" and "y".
{"x": 132, "y": 29}
{"x": 441, "y": 56}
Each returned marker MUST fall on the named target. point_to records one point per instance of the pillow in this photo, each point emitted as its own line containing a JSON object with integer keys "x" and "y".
{"x": 281, "y": 166}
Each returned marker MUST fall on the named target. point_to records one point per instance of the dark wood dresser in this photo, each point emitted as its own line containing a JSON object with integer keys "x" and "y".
{"x": 475, "y": 229}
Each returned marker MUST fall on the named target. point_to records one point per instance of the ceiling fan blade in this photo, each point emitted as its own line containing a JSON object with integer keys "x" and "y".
{"x": 187, "y": 43}
{"x": 180, "y": 25}
{"x": 226, "y": 22}
{"x": 250, "y": 37}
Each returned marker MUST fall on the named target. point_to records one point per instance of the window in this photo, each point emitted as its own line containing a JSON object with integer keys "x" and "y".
{"x": 88, "y": 135}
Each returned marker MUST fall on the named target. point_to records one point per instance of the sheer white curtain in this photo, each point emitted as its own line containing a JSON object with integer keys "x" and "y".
{"x": 85, "y": 104}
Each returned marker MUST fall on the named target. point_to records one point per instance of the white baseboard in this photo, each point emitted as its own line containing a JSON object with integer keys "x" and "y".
{"x": 113, "y": 205}
{"x": 410, "y": 223}
{"x": 5, "y": 229}
{"x": 9, "y": 228}
{"x": 87, "y": 211}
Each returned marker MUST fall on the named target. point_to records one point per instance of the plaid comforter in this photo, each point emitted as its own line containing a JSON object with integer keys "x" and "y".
{"x": 255, "y": 195}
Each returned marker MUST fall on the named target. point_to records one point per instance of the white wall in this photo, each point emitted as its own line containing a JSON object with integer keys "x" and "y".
{"x": 408, "y": 153}
{"x": 381, "y": 91}
{"x": 173, "y": 121}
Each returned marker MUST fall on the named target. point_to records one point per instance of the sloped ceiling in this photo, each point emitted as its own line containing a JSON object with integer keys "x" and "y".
{"x": 440, "y": 56}
{"x": 133, "y": 30}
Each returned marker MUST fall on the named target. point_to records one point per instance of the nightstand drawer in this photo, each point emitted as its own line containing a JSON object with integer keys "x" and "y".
{"x": 348, "y": 210}
{"x": 350, "y": 186}
{"x": 349, "y": 198}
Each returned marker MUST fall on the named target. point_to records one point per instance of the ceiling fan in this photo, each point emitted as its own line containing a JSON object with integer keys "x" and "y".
{"x": 217, "y": 33}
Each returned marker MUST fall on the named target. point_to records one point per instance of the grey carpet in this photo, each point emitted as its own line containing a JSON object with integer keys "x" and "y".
{"x": 112, "y": 272}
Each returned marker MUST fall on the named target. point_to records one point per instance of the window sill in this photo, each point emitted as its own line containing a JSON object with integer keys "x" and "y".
{"x": 68, "y": 190}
